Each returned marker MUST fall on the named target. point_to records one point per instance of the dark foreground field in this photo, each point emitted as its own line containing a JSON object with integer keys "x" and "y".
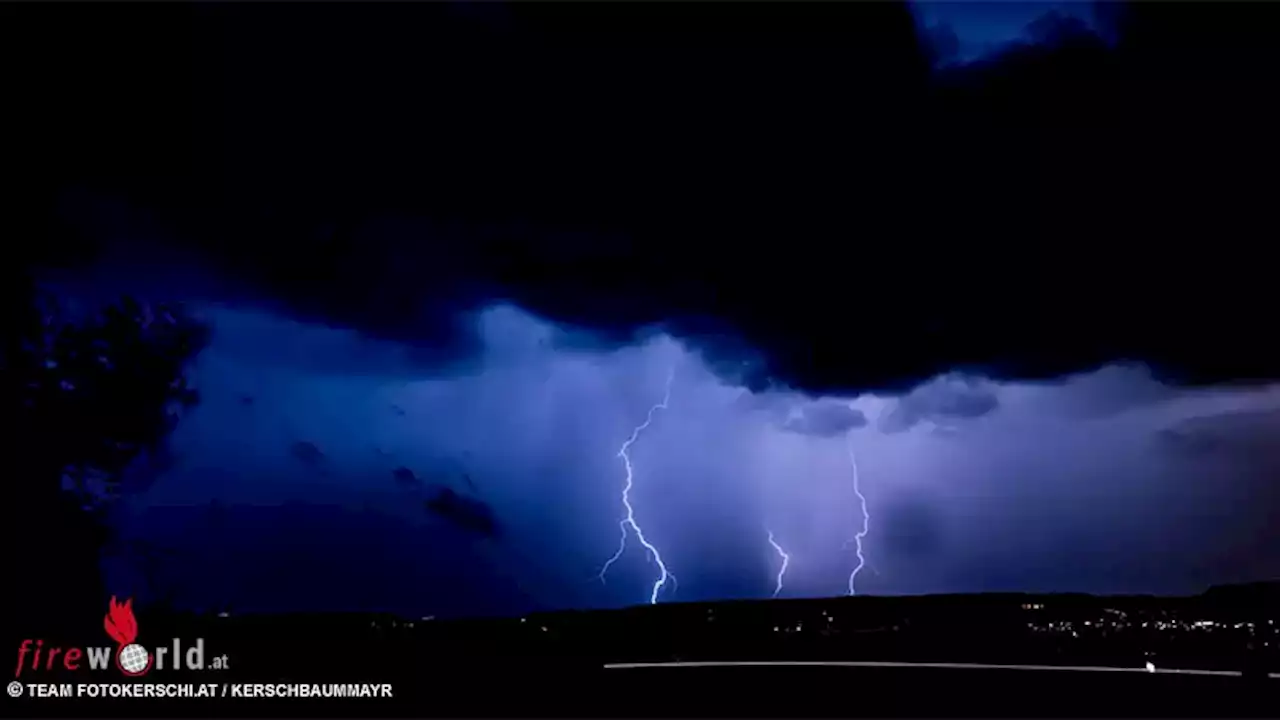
{"x": 1079, "y": 656}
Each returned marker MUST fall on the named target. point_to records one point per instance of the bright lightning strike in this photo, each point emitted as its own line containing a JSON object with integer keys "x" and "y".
{"x": 629, "y": 520}
{"x": 786, "y": 560}
{"x": 866, "y": 517}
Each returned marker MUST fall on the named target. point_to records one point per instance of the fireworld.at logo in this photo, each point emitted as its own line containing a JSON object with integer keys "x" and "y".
{"x": 131, "y": 657}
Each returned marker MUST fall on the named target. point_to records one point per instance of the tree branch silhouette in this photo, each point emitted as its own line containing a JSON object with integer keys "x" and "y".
{"x": 88, "y": 397}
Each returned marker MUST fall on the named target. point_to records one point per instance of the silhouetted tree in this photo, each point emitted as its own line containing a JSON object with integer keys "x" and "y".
{"x": 86, "y": 397}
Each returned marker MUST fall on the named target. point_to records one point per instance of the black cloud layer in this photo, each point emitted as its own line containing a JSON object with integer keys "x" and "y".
{"x": 788, "y": 178}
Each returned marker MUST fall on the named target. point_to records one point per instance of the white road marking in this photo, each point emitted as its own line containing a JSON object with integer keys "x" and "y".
{"x": 957, "y": 666}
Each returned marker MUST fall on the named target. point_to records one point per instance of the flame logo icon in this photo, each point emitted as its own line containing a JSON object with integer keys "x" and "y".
{"x": 120, "y": 623}
{"x": 131, "y": 658}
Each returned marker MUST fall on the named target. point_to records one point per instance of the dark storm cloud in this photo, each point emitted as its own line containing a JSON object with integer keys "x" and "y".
{"x": 305, "y": 165}
{"x": 965, "y": 32}
{"x": 1250, "y": 435}
{"x": 941, "y": 401}
{"x": 1031, "y": 496}
{"x": 821, "y": 218}
{"x": 468, "y": 513}
{"x": 1114, "y": 389}
{"x": 405, "y": 477}
{"x": 771, "y": 403}
{"x": 307, "y": 453}
{"x": 826, "y": 418}
{"x": 822, "y": 417}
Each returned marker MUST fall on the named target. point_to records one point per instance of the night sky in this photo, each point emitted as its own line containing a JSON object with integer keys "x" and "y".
{"x": 1013, "y": 276}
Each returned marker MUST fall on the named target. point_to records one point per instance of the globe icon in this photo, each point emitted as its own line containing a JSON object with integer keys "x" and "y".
{"x": 133, "y": 659}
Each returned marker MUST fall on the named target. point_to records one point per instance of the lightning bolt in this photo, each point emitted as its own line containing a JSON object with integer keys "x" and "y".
{"x": 866, "y": 517}
{"x": 629, "y": 520}
{"x": 786, "y": 559}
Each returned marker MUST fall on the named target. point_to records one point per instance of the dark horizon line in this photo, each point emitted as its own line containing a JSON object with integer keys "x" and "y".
{"x": 1259, "y": 586}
